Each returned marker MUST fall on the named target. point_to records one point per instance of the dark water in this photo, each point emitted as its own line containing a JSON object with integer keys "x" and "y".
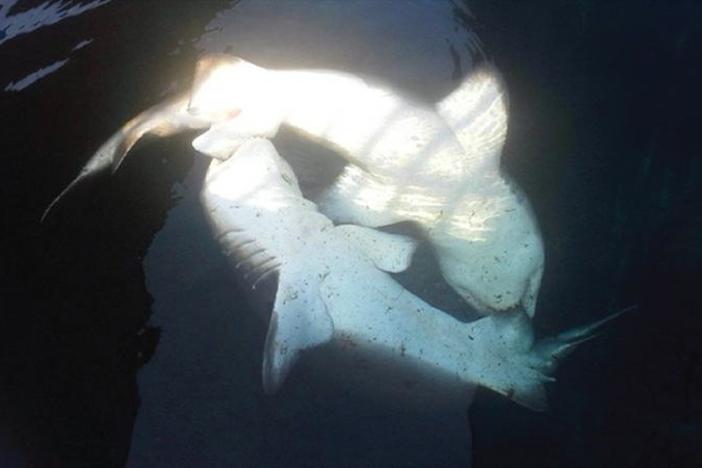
{"x": 124, "y": 338}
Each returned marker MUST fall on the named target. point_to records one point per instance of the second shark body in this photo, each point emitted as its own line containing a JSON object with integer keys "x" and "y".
{"x": 335, "y": 298}
{"x": 334, "y": 293}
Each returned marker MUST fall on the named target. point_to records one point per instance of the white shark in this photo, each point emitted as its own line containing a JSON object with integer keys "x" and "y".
{"x": 437, "y": 166}
{"x": 333, "y": 291}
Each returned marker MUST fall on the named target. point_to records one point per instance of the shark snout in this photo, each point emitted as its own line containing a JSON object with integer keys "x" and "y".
{"x": 501, "y": 295}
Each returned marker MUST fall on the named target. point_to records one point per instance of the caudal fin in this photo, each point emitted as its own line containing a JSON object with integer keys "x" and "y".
{"x": 112, "y": 150}
{"x": 555, "y": 348}
{"x": 520, "y": 373}
{"x": 166, "y": 118}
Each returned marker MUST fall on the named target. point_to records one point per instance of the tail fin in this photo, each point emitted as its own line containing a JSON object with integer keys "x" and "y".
{"x": 113, "y": 149}
{"x": 555, "y": 348}
{"x": 163, "y": 119}
{"x": 520, "y": 374}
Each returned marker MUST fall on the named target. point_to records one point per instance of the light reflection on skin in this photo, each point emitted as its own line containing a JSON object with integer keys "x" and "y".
{"x": 332, "y": 288}
{"x": 437, "y": 167}
{"x": 475, "y": 220}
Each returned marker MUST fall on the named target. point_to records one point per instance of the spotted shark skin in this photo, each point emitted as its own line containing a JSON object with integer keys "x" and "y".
{"x": 437, "y": 166}
{"x": 335, "y": 297}
{"x": 334, "y": 294}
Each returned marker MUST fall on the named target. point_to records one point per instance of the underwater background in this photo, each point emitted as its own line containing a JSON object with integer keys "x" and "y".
{"x": 125, "y": 341}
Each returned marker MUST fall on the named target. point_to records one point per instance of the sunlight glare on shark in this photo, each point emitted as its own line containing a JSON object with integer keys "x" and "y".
{"x": 334, "y": 298}
{"x": 437, "y": 167}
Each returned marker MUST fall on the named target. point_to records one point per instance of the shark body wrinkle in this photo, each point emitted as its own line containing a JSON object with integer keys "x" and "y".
{"x": 437, "y": 166}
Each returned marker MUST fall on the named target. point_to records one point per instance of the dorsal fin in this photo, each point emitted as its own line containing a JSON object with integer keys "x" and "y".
{"x": 477, "y": 113}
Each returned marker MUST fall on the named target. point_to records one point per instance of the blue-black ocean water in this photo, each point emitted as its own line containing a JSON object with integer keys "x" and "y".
{"x": 125, "y": 341}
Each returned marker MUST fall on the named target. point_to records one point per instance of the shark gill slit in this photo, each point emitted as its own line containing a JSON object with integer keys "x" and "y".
{"x": 227, "y": 232}
{"x": 257, "y": 262}
{"x": 245, "y": 259}
{"x": 255, "y": 266}
{"x": 234, "y": 249}
{"x": 265, "y": 273}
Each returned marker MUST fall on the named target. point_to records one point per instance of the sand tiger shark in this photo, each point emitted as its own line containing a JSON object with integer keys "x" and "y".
{"x": 334, "y": 294}
{"x": 434, "y": 165}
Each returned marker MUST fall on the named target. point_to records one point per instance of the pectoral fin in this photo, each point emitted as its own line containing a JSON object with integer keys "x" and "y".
{"x": 218, "y": 143}
{"x": 389, "y": 252}
{"x": 299, "y": 321}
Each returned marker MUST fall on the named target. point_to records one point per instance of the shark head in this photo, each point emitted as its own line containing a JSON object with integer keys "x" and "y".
{"x": 490, "y": 250}
{"x": 225, "y": 86}
{"x": 490, "y": 287}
